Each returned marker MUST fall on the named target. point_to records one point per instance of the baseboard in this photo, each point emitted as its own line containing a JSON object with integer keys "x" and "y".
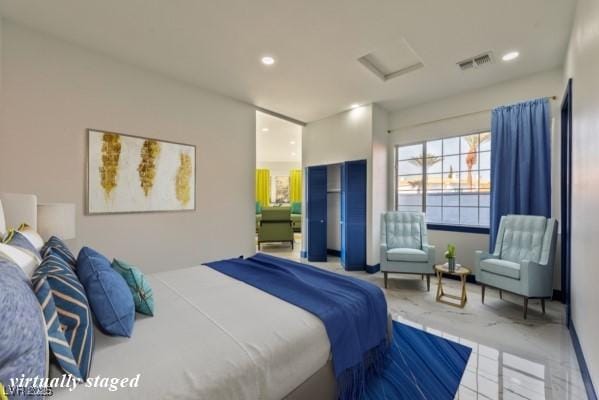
{"x": 333, "y": 253}
{"x": 584, "y": 370}
{"x": 372, "y": 269}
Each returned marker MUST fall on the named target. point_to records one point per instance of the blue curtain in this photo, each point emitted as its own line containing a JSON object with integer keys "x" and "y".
{"x": 520, "y": 161}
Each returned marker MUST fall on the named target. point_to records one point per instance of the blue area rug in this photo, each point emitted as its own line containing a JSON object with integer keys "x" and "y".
{"x": 420, "y": 366}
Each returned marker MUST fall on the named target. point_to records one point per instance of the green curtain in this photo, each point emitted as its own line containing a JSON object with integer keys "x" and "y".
{"x": 295, "y": 185}
{"x": 263, "y": 187}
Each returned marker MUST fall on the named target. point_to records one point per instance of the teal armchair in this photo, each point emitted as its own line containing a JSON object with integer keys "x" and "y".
{"x": 404, "y": 245}
{"x": 296, "y": 216}
{"x": 522, "y": 262}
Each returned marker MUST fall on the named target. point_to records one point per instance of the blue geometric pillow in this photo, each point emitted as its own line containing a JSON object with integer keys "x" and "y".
{"x": 60, "y": 249}
{"x": 108, "y": 293}
{"x": 23, "y": 349}
{"x": 67, "y": 314}
{"x": 139, "y": 286}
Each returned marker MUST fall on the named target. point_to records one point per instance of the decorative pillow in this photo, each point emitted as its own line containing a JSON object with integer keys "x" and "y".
{"x": 296, "y": 207}
{"x": 17, "y": 255}
{"x": 31, "y": 234}
{"x": 23, "y": 349}
{"x": 108, "y": 293}
{"x": 67, "y": 314}
{"x": 139, "y": 286}
{"x": 60, "y": 249}
{"x": 18, "y": 239}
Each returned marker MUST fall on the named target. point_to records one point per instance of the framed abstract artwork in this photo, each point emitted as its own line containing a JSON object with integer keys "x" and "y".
{"x": 281, "y": 189}
{"x": 129, "y": 174}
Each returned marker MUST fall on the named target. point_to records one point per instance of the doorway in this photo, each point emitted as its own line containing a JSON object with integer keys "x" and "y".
{"x": 566, "y": 195}
{"x": 279, "y": 188}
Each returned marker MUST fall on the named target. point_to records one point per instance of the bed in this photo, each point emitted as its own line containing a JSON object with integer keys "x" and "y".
{"x": 212, "y": 337}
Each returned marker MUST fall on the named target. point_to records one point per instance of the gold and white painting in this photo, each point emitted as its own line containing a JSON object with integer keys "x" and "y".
{"x": 135, "y": 174}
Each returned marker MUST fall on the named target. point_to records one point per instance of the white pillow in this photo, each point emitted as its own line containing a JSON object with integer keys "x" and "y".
{"x": 34, "y": 238}
{"x": 2, "y": 222}
{"x": 26, "y": 261}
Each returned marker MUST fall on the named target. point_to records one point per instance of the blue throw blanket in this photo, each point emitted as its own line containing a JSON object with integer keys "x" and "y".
{"x": 354, "y": 312}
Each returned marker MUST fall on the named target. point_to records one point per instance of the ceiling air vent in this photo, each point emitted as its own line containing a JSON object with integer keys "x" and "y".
{"x": 476, "y": 62}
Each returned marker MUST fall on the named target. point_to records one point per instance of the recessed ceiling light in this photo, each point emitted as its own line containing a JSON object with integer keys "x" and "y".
{"x": 512, "y": 55}
{"x": 268, "y": 60}
{"x": 355, "y": 105}
{"x": 292, "y": 142}
{"x": 264, "y": 129}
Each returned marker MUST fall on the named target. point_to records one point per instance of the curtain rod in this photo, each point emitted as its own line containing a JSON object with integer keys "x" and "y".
{"x": 448, "y": 118}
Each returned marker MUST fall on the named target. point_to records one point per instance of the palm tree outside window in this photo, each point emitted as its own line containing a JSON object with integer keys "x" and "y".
{"x": 449, "y": 179}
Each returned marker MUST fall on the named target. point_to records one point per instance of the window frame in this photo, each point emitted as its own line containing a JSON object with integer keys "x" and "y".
{"x": 450, "y": 227}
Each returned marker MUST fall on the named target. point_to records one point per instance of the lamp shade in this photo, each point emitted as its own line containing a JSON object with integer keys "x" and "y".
{"x": 56, "y": 219}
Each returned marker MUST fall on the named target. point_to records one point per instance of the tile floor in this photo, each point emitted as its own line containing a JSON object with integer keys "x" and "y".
{"x": 512, "y": 358}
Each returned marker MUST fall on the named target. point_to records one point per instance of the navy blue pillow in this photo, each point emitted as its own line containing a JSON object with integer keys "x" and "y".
{"x": 108, "y": 294}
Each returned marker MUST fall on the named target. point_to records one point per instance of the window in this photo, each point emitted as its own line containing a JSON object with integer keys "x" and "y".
{"x": 448, "y": 179}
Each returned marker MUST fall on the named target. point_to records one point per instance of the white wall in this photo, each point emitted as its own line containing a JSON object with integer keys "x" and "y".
{"x": 582, "y": 64}
{"x": 411, "y": 125}
{"x": 53, "y": 91}
{"x": 378, "y": 178}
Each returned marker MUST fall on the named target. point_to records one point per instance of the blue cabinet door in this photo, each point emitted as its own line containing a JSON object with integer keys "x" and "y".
{"x": 317, "y": 213}
{"x": 353, "y": 211}
{"x": 342, "y": 216}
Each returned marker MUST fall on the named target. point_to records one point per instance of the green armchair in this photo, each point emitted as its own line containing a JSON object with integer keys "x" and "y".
{"x": 275, "y": 226}
{"x": 522, "y": 262}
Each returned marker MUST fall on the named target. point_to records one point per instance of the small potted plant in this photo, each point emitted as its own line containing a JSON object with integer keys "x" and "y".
{"x": 450, "y": 256}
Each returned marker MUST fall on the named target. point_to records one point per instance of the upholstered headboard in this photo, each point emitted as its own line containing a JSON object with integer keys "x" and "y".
{"x": 18, "y": 209}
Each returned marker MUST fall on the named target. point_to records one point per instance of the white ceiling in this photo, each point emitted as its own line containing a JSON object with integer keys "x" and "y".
{"x": 218, "y": 44}
{"x": 277, "y": 140}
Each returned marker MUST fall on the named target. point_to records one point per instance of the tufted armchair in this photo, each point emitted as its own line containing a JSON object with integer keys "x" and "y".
{"x": 522, "y": 262}
{"x": 404, "y": 245}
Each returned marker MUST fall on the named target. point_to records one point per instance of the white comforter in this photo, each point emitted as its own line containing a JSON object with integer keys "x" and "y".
{"x": 212, "y": 337}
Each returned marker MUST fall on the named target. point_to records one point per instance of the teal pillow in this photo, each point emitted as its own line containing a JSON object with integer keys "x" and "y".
{"x": 139, "y": 286}
{"x": 296, "y": 207}
{"x": 258, "y": 208}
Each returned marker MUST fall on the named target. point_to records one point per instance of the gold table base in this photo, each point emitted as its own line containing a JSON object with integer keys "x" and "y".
{"x": 443, "y": 297}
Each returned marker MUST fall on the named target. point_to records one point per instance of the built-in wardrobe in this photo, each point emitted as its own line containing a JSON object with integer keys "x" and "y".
{"x": 336, "y": 213}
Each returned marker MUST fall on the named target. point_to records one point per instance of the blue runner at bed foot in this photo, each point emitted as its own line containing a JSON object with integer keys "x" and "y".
{"x": 420, "y": 366}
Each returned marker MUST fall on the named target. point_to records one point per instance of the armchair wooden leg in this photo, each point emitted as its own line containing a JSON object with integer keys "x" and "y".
{"x": 428, "y": 283}
{"x": 525, "y": 306}
{"x": 482, "y": 294}
{"x": 543, "y": 305}
{"x": 385, "y": 278}
{"x": 421, "y": 276}
{"x": 292, "y": 245}
{"x": 501, "y": 294}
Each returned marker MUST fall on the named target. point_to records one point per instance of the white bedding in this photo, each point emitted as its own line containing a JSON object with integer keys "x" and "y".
{"x": 212, "y": 337}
